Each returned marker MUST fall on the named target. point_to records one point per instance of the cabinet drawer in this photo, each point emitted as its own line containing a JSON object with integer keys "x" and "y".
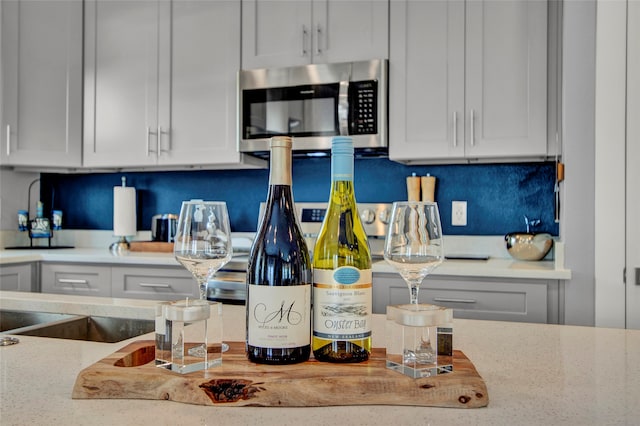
{"x": 508, "y": 300}
{"x": 158, "y": 283}
{"x": 86, "y": 280}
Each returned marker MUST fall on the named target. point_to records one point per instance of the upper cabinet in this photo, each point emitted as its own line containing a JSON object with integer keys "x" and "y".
{"x": 160, "y": 84}
{"x": 468, "y": 80}
{"x": 278, "y": 33}
{"x": 41, "y": 83}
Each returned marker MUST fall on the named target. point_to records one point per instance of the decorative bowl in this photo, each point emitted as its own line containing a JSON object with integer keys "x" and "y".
{"x": 528, "y": 245}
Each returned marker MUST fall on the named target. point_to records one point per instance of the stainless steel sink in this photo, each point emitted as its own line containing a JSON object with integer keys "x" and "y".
{"x": 10, "y": 320}
{"x": 80, "y": 327}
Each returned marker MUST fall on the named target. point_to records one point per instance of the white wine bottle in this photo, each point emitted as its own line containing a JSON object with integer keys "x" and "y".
{"x": 342, "y": 270}
{"x": 279, "y": 274}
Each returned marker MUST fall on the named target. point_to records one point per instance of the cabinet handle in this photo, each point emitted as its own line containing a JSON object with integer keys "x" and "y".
{"x": 72, "y": 281}
{"x": 149, "y": 133}
{"x": 305, "y": 35}
{"x": 455, "y": 129}
{"x": 444, "y": 299}
{"x": 154, "y": 285}
{"x": 158, "y": 144}
{"x": 8, "y": 140}
{"x": 319, "y": 36}
{"x": 148, "y": 141}
{"x": 160, "y": 150}
{"x": 343, "y": 107}
{"x": 472, "y": 128}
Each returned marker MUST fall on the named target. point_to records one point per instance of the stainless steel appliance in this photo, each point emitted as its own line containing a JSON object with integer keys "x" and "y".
{"x": 163, "y": 227}
{"x": 229, "y": 284}
{"x": 312, "y": 104}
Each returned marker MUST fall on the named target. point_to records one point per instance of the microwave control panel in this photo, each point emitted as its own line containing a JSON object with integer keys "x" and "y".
{"x": 363, "y": 103}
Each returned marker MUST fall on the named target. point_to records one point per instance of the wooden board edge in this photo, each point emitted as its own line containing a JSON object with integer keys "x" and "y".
{"x": 103, "y": 380}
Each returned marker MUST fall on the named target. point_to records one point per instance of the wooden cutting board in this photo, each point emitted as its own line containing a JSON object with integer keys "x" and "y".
{"x": 131, "y": 373}
{"x": 151, "y": 246}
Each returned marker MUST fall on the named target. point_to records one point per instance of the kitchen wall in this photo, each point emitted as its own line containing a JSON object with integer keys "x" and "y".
{"x": 498, "y": 195}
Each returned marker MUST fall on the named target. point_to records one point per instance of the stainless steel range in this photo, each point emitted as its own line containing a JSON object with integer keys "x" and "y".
{"x": 229, "y": 284}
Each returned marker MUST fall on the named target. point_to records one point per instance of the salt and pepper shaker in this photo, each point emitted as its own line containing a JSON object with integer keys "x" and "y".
{"x": 414, "y": 185}
{"x": 413, "y": 188}
{"x": 428, "y": 184}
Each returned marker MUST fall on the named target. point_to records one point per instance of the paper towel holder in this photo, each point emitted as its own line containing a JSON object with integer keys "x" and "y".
{"x": 122, "y": 230}
{"x": 120, "y": 246}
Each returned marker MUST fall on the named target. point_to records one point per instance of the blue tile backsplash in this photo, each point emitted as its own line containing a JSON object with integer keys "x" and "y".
{"x": 498, "y": 195}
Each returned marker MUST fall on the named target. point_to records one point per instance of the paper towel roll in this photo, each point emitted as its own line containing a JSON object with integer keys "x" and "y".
{"x": 124, "y": 211}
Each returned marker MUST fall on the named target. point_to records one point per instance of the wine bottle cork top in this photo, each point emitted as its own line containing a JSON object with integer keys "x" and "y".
{"x": 281, "y": 141}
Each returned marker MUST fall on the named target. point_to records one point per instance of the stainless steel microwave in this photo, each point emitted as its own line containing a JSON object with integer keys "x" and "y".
{"x": 312, "y": 104}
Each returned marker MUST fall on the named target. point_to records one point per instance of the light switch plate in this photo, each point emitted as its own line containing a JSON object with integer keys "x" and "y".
{"x": 459, "y": 213}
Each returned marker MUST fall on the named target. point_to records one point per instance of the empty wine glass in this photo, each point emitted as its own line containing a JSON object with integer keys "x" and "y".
{"x": 203, "y": 240}
{"x": 413, "y": 245}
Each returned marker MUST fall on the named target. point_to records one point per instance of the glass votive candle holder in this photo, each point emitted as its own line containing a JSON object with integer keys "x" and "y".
{"x": 419, "y": 339}
{"x": 188, "y": 335}
{"x": 163, "y": 338}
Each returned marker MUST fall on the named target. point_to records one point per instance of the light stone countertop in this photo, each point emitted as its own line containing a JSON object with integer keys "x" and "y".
{"x": 536, "y": 374}
{"x": 493, "y": 267}
{"x": 92, "y": 247}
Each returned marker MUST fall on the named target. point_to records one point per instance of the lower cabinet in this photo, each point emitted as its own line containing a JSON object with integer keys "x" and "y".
{"x": 157, "y": 283}
{"x": 69, "y": 278}
{"x": 19, "y": 277}
{"x": 521, "y": 300}
{"x": 131, "y": 282}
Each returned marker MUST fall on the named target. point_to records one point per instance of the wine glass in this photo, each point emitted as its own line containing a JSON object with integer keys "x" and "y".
{"x": 203, "y": 240}
{"x": 413, "y": 244}
{"x": 414, "y": 247}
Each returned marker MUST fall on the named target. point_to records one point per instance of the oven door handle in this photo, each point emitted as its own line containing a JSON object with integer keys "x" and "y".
{"x": 226, "y": 284}
{"x": 343, "y": 106}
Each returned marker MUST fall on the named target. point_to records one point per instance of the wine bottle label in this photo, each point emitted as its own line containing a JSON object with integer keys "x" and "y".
{"x": 278, "y": 316}
{"x": 342, "y": 303}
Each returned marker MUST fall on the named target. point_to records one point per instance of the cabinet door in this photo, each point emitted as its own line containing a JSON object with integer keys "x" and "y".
{"x": 279, "y": 33}
{"x": 199, "y": 60}
{"x": 18, "y": 277}
{"x": 348, "y": 30}
{"x": 276, "y": 33}
{"x": 506, "y": 78}
{"x": 121, "y": 83}
{"x": 41, "y": 83}
{"x": 426, "y": 102}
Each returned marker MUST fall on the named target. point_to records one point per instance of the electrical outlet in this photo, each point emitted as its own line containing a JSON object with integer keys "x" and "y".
{"x": 459, "y": 213}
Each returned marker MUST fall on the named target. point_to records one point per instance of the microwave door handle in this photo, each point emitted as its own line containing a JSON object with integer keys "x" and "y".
{"x": 343, "y": 107}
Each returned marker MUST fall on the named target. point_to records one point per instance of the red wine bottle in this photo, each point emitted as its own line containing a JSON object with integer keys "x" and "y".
{"x": 279, "y": 274}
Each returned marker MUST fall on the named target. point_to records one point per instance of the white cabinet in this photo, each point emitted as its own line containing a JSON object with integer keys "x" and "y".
{"x": 68, "y": 278}
{"x": 468, "y": 80}
{"x": 498, "y": 299}
{"x": 41, "y": 83}
{"x": 160, "y": 84}
{"x": 278, "y": 33}
{"x": 19, "y": 277}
